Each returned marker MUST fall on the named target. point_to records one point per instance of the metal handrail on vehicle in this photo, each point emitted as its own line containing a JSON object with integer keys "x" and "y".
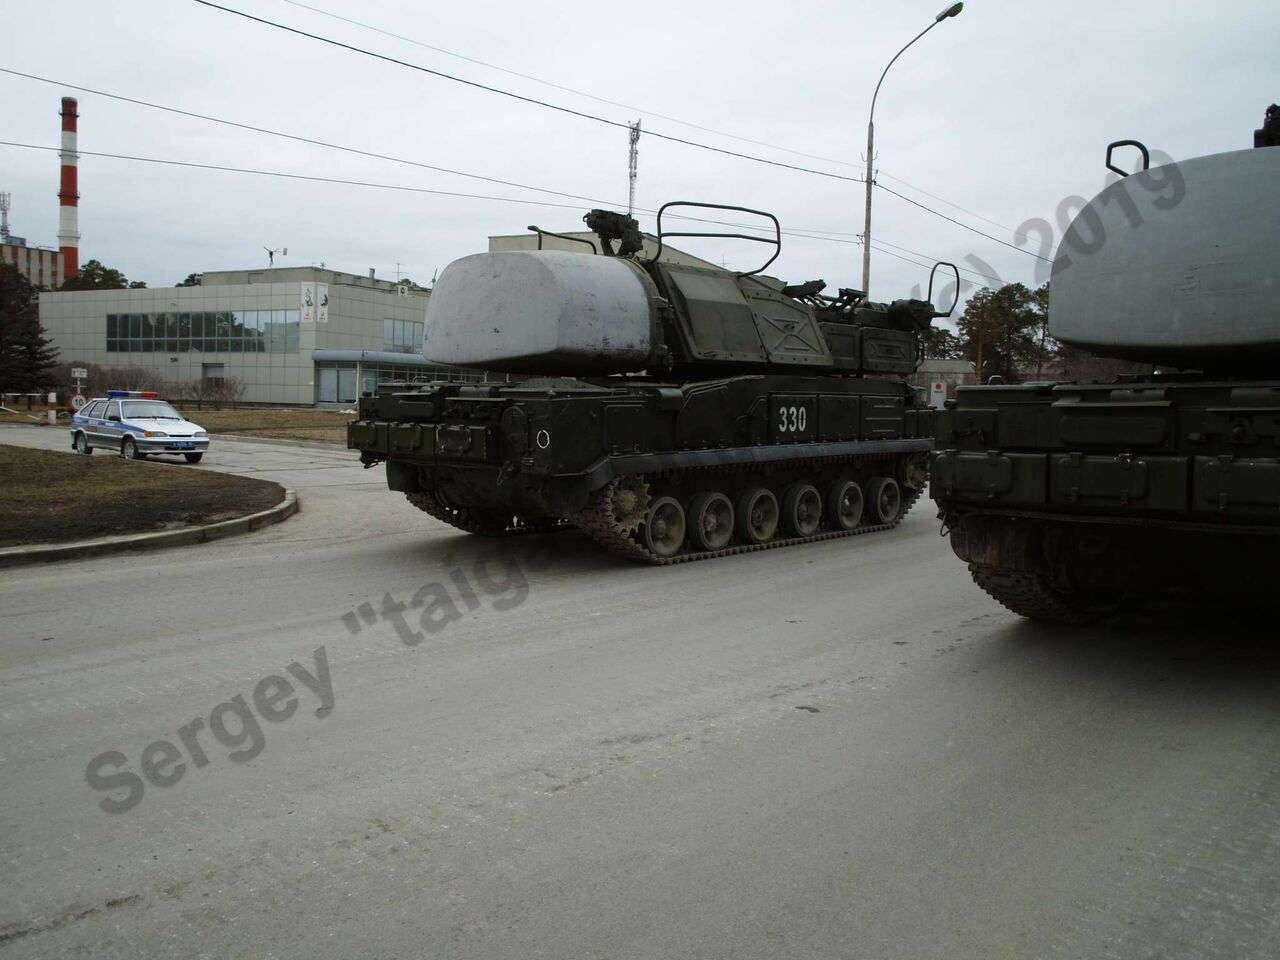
{"x": 562, "y": 236}
{"x": 776, "y": 240}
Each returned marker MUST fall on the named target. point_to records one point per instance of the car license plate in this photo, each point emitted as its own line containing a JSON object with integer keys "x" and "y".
{"x": 182, "y": 445}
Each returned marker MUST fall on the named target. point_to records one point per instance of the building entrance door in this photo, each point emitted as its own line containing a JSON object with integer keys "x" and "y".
{"x": 326, "y": 385}
{"x": 336, "y": 383}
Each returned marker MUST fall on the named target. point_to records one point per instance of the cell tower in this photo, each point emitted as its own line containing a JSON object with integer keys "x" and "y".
{"x": 632, "y": 166}
{"x": 4, "y": 218}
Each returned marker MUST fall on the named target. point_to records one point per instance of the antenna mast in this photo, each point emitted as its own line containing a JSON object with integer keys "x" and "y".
{"x": 631, "y": 166}
{"x": 4, "y": 217}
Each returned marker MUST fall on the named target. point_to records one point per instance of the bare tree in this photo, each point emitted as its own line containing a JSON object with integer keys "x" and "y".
{"x": 229, "y": 390}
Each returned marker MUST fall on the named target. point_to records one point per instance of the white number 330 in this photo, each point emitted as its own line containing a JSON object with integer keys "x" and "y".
{"x": 792, "y": 419}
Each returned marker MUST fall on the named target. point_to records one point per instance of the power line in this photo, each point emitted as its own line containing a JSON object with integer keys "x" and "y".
{"x": 934, "y": 196}
{"x": 917, "y": 203}
{"x": 363, "y": 183}
{"x": 566, "y": 89}
{"x": 833, "y": 238}
{"x": 296, "y": 176}
{"x": 516, "y": 96}
{"x": 588, "y": 116}
{"x": 796, "y": 232}
{"x": 632, "y": 108}
{"x": 300, "y": 139}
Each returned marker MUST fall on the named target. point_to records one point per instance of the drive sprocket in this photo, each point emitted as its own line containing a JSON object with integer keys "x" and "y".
{"x": 627, "y": 502}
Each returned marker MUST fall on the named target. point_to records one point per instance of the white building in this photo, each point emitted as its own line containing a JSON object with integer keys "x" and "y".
{"x": 296, "y": 336}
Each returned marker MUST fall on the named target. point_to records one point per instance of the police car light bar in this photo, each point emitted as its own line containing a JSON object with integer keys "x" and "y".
{"x": 137, "y": 394}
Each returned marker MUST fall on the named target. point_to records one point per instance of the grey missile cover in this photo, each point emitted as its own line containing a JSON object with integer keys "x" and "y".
{"x": 1175, "y": 262}
{"x": 544, "y": 310}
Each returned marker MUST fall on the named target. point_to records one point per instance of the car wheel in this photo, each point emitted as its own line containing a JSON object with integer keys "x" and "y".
{"x": 193, "y": 457}
{"x": 82, "y": 444}
{"x": 129, "y": 449}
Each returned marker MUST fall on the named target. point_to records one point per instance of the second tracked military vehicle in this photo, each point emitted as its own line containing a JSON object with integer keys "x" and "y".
{"x": 1071, "y": 500}
{"x": 671, "y": 409}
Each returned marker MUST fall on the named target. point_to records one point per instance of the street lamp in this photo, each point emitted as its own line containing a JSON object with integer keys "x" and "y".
{"x": 951, "y": 11}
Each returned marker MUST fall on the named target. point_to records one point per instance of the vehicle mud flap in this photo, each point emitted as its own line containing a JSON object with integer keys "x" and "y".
{"x": 403, "y": 476}
{"x": 998, "y": 543}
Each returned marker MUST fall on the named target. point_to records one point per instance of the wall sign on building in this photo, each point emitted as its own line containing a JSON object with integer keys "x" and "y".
{"x": 322, "y": 303}
{"x": 308, "y": 303}
{"x": 937, "y": 394}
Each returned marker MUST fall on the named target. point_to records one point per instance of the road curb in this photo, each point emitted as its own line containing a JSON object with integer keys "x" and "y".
{"x": 43, "y": 553}
{"x": 310, "y": 444}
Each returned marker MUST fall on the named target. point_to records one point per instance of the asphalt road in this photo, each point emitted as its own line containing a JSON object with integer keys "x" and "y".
{"x": 843, "y": 750}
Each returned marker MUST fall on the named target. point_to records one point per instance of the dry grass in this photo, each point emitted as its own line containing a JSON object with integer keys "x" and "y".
{"x": 326, "y": 426}
{"x": 52, "y": 497}
{"x": 323, "y": 425}
{"x": 20, "y": 414}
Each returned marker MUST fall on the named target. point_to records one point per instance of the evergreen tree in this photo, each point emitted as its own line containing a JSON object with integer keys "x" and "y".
{"x": 95, "y": 276}
{"x": 941, "y": 344}
{"x": 26, "y": 357}
{"x": 1001, "y": 331}
{"x": 1046, "y": 347}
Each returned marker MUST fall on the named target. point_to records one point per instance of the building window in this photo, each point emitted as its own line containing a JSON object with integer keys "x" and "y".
{"x": 336, "y": 383}
{"x": 211, "y": 331}
{"x": 214, "y": 374}
{"x": 402, "y": 336}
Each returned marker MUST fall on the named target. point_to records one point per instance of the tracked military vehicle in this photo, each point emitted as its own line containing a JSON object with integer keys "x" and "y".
{"x": 672, "y": 410}
{"x": 1071, "y": 500}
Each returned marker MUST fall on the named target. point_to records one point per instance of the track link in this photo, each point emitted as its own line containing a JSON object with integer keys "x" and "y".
{"x": 1029, "y": 595}
{"x": 597, "y": 521}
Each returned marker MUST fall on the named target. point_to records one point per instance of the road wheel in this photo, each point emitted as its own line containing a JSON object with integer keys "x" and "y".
{"x": 129, "y": 449}
{"x": 82, "y": 444}
{"x": 844, "y": 505}
{"x": 801, "y": 510}
{"x": 664, "y": 527}
{"x": 194, "y": 457}
{"x": 711, "y": 519}
{"x": 757, "y": 515}
{"x": 885, "y": 499}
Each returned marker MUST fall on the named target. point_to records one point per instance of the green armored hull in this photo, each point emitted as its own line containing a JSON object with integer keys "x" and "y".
{"x": 712, "y": 412}
{"x": 1069, "y": 500}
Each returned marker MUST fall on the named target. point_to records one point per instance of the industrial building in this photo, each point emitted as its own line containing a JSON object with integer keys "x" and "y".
{"x": 45, "y": 268}
{"x": 297, "y": 336}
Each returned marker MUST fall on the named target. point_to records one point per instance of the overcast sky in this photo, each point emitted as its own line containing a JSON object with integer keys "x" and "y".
{"x": 1003, "y": 111}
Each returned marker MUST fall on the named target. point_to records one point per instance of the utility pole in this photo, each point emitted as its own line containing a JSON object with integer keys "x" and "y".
{"x": 632, "y": 166}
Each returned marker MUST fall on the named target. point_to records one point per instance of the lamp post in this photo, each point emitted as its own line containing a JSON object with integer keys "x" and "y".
{"x": 951, "y": 11}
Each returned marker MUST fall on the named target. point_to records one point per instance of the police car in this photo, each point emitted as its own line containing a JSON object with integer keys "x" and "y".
{"x": 135, "y": 423}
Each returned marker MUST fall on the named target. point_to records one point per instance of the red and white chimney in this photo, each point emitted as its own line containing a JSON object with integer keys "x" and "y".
{"x": 68, "y": 192}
